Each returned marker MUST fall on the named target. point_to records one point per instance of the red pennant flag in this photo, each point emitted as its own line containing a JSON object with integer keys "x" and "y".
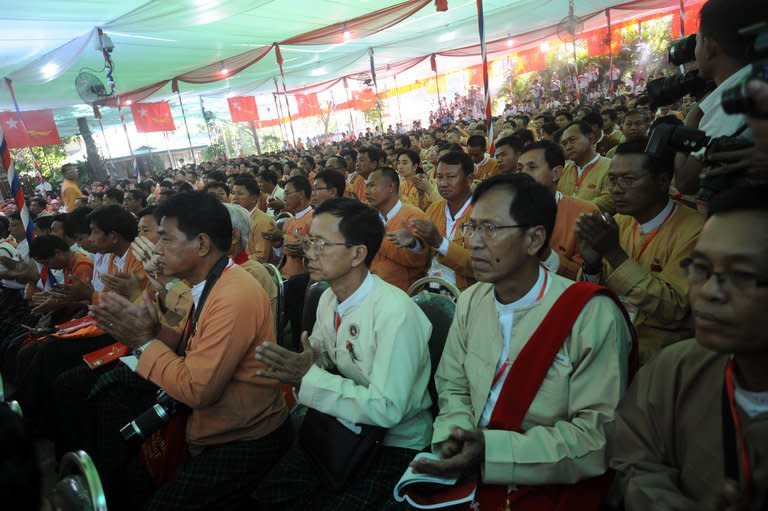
{"x": 243, "y": 109}
{"x": 307, "y": 105}
{"x": 41, "y": 128}
{"x": 152, "y": 117}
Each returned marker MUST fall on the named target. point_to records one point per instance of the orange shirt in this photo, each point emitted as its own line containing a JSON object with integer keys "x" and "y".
{"x": 80, "y": 269}
{"x": 488, "y": 169}
{"x": 356, "y": 188}
{"x": 399, "y": 266}
{"x": 411, "y": 195}
{"x": 217, "y": 376}
{"x": 259, "y": 248}
{"x": 293, "y": 230}
{"x": 70, "y": 192}
{"x": 563, "y": 240}
{"x": 457, "y": 257}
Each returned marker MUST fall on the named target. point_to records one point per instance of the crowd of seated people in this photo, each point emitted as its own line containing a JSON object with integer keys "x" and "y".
{"x": 606, "y": 345}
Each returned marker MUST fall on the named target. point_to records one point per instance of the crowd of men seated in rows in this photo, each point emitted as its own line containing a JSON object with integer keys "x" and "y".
{"x": 608, "y": 344}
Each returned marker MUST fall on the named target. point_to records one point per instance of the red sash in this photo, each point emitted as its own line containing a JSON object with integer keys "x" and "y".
{"x": 520, "y": 388}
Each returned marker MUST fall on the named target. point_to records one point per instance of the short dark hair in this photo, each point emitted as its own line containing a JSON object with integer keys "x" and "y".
{"x": 115, "y": 194}
{"x": 583, "y": 126}
{"x": 462, "y": 159}
{"x": 44, "y": 247}
{"x": 334, "y": 179}
{"x": 114, "y": 218}
{"x": 138, "y": 195}
{"x": 532, "y": 203}
{"x": 217, "y": 175}
{"x": 610, "y": 113}
{"x": 40, "y": 200}
{"x": 309, "y": 158}
{"x": 656, "y": 165}
{"x": 553, "y": 153}
{"x": 739, "y": 198}
{"x": 564, "y": 113}
{"x": 390, "y": 174}
{"x": 5, "y": 225}
{"x": 182, "y": 186}
{"x": 348, "y": 152}
{"x": 300, "y": 184}
{"x": 511, "y": 141}
{"x": 373, "y": 152}
{"x": 76, "y": 222}
{"x": 199, "y": 213}
{"x": 216, "y": 184}
{"x": 43, "y": 222}
{"x": 358, "y": 223}
{"x": 249, "y": 183}
{"x": 412, "y": 155}
{"x": 405, "y": 140}
{"x": 723, "y": 19}
{"x": 549, "y": 128}
{"x": 594, "y": 118}
{"x": 149, "y": 210}
{"x": 268, "y": 175}
{"x": 525, "y": 135}
{"x": 477, "y": 141}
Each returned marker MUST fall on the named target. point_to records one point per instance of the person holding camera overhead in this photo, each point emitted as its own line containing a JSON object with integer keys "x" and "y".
{"x": 237, "y": 428}
{"x": 637, "y": 253}
{"x": 723, "y": 54}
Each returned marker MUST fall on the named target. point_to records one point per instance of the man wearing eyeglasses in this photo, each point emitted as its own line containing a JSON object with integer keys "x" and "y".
{"x": 366, "y": 361}
{"x": 287, "y": 241}
{"x": 561, "y": 437}
{"x": 692, "y": 431}
{"x": 637, "y": 253}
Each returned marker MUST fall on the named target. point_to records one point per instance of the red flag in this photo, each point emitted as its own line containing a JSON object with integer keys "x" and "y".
{"x": 307, "y": 105}
{"x": 243, "y": 109}
{"x": 597, "y": 42}
{"x": 41, "y": 128}
{"x": 364, "y": 99}
{"x": 152, "y": 117}
{"x": 533, "y": 60}
{"x": 476, "y": 75}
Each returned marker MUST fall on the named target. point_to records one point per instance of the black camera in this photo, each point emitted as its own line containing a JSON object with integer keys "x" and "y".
{"x": 671, "y": 138}
{"x": 153, "y": 419}
{"x": 670, "y": 89}
{"x": 682, "y": 51}
{"x": 736, "y": 100}
{"x": 710, "y": 186}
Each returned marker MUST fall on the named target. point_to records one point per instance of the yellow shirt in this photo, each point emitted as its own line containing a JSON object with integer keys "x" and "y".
{"x": 592, "y": 186}
{"x": 70, "y": 192}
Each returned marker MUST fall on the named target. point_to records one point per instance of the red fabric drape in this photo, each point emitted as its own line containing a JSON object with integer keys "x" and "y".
{"x": 224, "y": 68}
{"x": 362, "y": 26}
{"x": 135, "y": 95}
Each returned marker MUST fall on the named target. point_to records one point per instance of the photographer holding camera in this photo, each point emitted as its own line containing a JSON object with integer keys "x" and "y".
{"x": 724, "y": 52}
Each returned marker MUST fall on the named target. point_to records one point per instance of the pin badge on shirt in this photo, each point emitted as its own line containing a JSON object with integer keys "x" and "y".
{"x": 351, "y": 350}
{"x": 354, "y": 330}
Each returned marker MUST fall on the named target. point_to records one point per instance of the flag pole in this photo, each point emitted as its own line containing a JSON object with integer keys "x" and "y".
{"x": 275, "y": 95}
{"x": 486, "y": 86}
{"x": 376, "y": 88}
{"x": 175, "y": 88}
{"x": 349, "y": 104}
{"x": 16, "y": 189}
{"x": 279, "y": 57}
{"x": 27, "y": 138}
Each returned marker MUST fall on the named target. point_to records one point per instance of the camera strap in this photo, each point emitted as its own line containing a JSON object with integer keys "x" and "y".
{"x": 210, "y": 281}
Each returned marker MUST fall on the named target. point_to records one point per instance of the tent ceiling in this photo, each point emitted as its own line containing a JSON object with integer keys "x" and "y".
{"x": 158, "y": 39}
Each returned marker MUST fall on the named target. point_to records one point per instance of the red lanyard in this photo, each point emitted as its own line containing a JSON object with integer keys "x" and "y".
{"x": 651, "y": 235}
{"x": 580, "y": 178}
{"x": 745, "y": 467}
{"x": 503, "y": 369}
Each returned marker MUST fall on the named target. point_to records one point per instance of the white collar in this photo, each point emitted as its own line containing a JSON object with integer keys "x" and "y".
{"x": 197, "y": 290}
{"x": 753, "y": 403}
{"x": 119, "y": 261}
{"x": 251, "y": 212}
{"x": 459, "y": 213}
{"x": 602, "y": 136}
{"x": 590, "y": 162}
{"x": 303, "y": 212}
{"x": 530, "y": 298}
{"x": 655, "y": 222}
{"x": 274, "y": 191}
{"x": 558, "y": 196}
{"x": 357, "y": 297}
{"x": 485, "y": 159}
{"x": 714, "y": 98}
{"x": 392, "y": 212}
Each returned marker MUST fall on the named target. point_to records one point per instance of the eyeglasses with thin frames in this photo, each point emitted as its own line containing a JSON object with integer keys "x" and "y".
{"x": 319, "y": 245}
{"x": 730, "y": 281}
{"x": 487, "y": 229}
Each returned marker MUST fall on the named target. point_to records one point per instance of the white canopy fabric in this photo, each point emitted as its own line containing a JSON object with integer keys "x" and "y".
{"x": 45, "y": 43}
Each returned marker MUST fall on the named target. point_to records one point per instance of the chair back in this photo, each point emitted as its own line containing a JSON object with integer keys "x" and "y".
{"x": 79, "y": 487}
{"x": 435, "y": 285}
{"x": 311, "y": 299}
{"x": 279, "y": 304}
{"x": 439, "y": 309}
